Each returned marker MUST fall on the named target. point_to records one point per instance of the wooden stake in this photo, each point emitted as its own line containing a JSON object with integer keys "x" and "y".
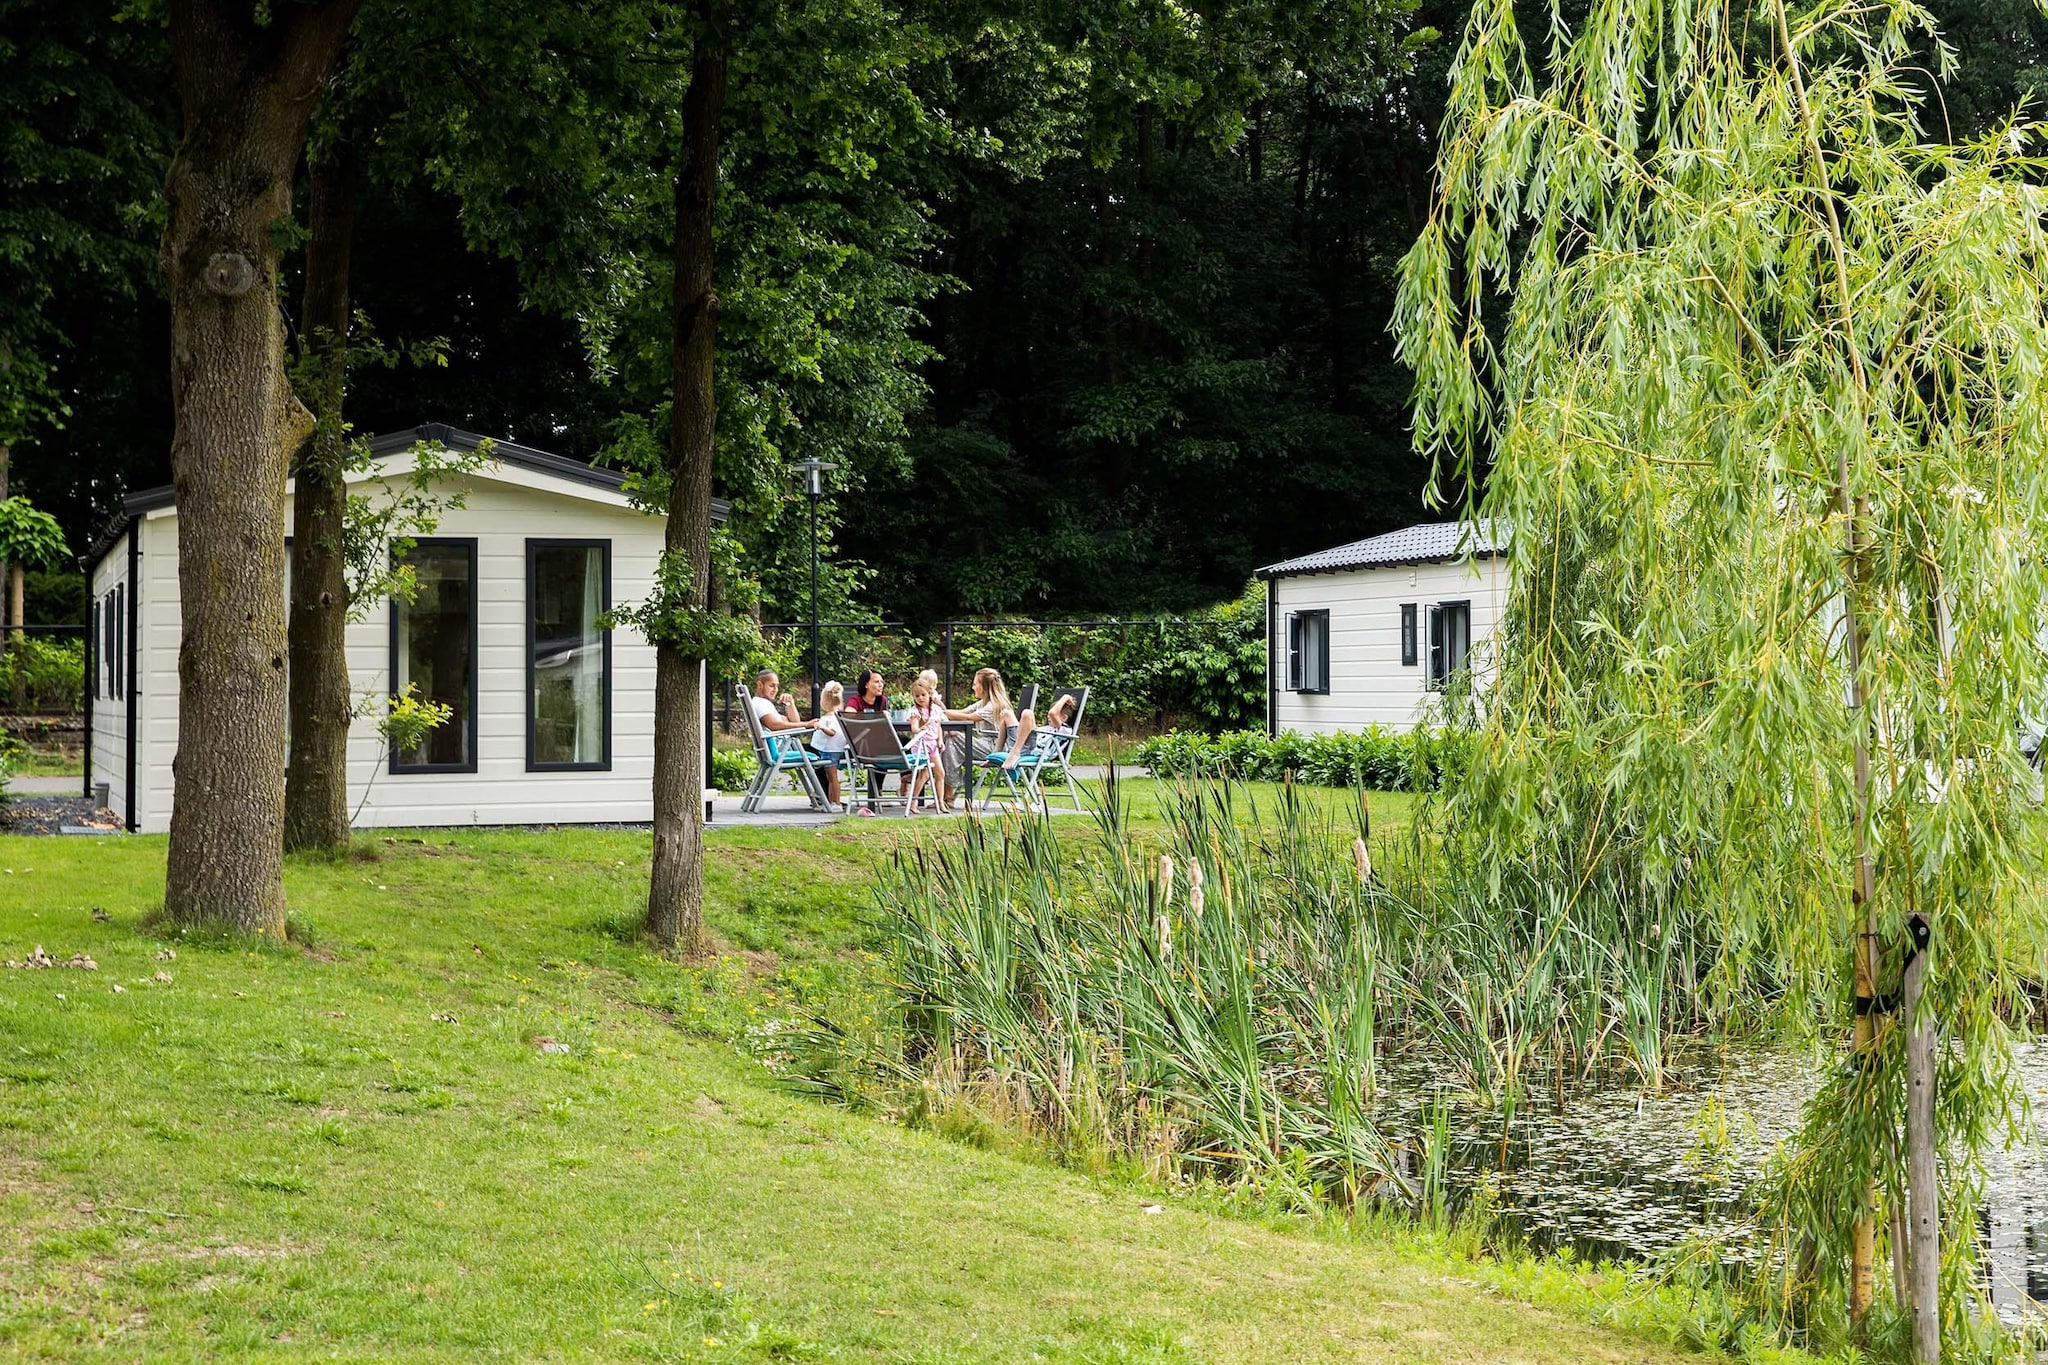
{"x": 1923, "y": 1182}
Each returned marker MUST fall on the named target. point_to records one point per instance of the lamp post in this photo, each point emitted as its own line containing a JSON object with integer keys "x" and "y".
{"x": 814, "y": 489}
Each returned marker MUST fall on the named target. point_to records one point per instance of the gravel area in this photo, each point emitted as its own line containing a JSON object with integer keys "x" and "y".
{"x": 51, "y": 814}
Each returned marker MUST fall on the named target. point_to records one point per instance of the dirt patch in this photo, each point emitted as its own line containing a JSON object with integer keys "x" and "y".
{"x": 49, "y": 815}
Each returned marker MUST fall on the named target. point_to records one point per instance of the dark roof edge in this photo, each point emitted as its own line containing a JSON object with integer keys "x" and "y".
{"x": 397, "y": 443}
{"x": 511, "y": 452}
{"x": 1282, "y": 571}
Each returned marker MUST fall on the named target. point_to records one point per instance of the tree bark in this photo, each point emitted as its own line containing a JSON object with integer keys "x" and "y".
{"x": 675, "y": 893}
{"x": 246, "y": 90}
{"x": 320, "y": 705}
{"x": 6, "y": 458}
{"x": 1923, "y": 1181}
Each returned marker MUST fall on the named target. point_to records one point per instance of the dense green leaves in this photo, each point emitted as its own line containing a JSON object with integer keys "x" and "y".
{"x": 1768, "y": 388}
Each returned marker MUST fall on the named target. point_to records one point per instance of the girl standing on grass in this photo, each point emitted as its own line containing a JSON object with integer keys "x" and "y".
{"x": 926, "y": 717}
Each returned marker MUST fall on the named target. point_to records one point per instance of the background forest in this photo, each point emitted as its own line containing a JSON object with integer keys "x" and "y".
{"x": 1110, "y": 340}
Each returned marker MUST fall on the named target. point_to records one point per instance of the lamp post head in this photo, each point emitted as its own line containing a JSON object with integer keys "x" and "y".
{"x": 814, "y": 471}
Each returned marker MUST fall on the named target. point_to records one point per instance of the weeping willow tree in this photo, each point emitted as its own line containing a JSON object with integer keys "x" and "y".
{"x": 1752, "y": 365}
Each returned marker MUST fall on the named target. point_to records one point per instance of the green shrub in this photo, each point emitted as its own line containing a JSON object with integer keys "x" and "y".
{"x": 1376, "y": 757}
{"x": 49, "y": 673}
{"x": 13, "y": 753}
{"x": 732, "y": 770}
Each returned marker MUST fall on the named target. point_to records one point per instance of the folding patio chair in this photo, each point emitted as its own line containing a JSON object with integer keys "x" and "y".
{"x": 775, "y": 754}
{"x": 875, "y": 746}
{"x": 1059, "y": 763}
{"x": 1043, "y": 754}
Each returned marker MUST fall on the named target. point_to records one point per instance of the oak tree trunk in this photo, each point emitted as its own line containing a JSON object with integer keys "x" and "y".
{"x": 675, "y": 893}
{"x": 248, "y": 81}
{"x": 320, "y": 704}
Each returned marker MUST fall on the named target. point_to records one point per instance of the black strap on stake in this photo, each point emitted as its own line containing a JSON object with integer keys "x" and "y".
{"x": 1921, "y": 934}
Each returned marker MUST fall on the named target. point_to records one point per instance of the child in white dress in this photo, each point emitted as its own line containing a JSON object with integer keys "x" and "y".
{"x": 829, "y": 736}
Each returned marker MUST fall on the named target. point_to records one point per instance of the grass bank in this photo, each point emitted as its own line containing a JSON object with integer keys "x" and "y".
{"x": 462, "y": 1121}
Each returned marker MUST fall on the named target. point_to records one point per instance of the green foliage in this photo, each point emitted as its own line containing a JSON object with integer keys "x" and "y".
{"x": 1376, "y": 758}
{"x": 409, "y": 718}
{"x": 1766, "y": 414}
{"x": 83, "y": 160}
{"x": 726, "y": 636}
{"x": 732, "y": 770}
{"x": 13, "y": 755}
{"x": 50, "y": 674}
{"x": 27, "y": 535}
{"x": 55, "y": 597}
{"x": 1240, "y": 1007}
{"x": 386, "y": 514}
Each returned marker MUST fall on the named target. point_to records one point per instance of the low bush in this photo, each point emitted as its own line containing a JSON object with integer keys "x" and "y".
{"x": 46, "y": 675}
{"x": 732, "y": 770}
{"x": 1376, "y": 757}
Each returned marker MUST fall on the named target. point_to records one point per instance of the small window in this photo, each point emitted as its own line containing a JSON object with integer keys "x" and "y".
{"x": 568, "y": 656}
{"x": 95, "y": 647}
{"x": 1308, "y": 651}
{"x": 117, "y": 657}
{"x": 1450, "y": 640}
{"x": 1408, "y": 641}
{"x": 433, "y": 651}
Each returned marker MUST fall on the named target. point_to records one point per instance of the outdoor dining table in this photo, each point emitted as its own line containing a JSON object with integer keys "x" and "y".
{"x": 965, "y": 727}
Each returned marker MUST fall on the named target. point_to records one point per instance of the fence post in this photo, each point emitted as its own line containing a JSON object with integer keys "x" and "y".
{"x": 947, "y": 627}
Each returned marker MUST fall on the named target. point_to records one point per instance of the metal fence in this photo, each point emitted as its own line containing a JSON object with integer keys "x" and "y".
{"x": 46, "y": 692}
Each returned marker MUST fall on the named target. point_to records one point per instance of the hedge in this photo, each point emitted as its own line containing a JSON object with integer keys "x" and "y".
{"x": 1376, "y": 757}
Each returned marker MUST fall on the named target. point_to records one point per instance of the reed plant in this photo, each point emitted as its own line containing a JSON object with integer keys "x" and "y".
{"x": 1238, "y": 999}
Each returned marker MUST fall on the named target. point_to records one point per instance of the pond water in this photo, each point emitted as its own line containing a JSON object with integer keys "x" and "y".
{"x": 1624, "y": 1173}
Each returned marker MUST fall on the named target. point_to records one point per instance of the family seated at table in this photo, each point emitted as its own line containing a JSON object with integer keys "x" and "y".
{"x": 942, "y": 756}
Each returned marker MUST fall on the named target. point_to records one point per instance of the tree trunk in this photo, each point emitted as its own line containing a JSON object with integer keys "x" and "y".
{"x": 6, "y": 457}
{"x": 320, "y": 706}
{"x": 675, "y": 892}
{"x": 246, "y": 91}
{"x": 1923, "y": 1181}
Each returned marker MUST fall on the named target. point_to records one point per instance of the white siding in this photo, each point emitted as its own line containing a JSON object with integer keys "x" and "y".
{"x": 1369, "y": 685}
{"x": 109, "y": 738}
{"x": 501, "y": 514}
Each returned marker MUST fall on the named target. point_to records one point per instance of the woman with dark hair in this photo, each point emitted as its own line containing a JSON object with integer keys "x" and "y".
{"x": 869, "y": 693}
{"x": 870, "y": 696}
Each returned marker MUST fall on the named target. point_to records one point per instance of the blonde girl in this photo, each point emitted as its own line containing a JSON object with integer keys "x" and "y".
{"x": 926, "y": 737}
{"x": 829, "y": 740}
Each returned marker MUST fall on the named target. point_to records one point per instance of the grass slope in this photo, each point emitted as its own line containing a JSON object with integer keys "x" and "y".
{"x": 362, "y": 1149}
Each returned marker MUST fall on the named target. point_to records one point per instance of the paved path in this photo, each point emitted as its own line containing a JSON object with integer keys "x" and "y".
{"x": 45, "y": 786}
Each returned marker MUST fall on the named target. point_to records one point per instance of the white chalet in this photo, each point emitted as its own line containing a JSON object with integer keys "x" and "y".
{"x": 1362, "y": 634}
{"x": 553, "y": 717}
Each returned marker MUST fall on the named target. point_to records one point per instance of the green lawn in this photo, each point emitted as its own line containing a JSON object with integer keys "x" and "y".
{"x": 369, "y": 1145}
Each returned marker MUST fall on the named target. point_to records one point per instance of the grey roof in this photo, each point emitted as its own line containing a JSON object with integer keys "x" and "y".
{"x": 1434, "y": 542}
{"x": 395, "y": 443}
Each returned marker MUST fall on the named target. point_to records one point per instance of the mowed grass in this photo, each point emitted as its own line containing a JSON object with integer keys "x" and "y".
{"x": 450, "y": 1126}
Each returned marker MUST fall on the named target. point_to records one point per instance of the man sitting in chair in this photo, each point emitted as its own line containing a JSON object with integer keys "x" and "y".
{"x": 766, "y": 688}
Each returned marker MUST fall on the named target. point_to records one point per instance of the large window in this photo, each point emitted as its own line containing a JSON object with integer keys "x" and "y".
{"x": 1308, "y": 651}
{"x": 433, "y": 650}
{"x": 568, "y": 655}
{"x": 1450, "y": 640}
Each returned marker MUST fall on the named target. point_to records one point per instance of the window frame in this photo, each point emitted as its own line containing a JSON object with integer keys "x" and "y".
{"x": 117, "y": 657}
{"x": 1440, "y": 671}
{"x": 569, "y": 543}
{"x": 1411, "y": 651}
{"x": 392, "y": 764}
{"x": 1297, "y": 660}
